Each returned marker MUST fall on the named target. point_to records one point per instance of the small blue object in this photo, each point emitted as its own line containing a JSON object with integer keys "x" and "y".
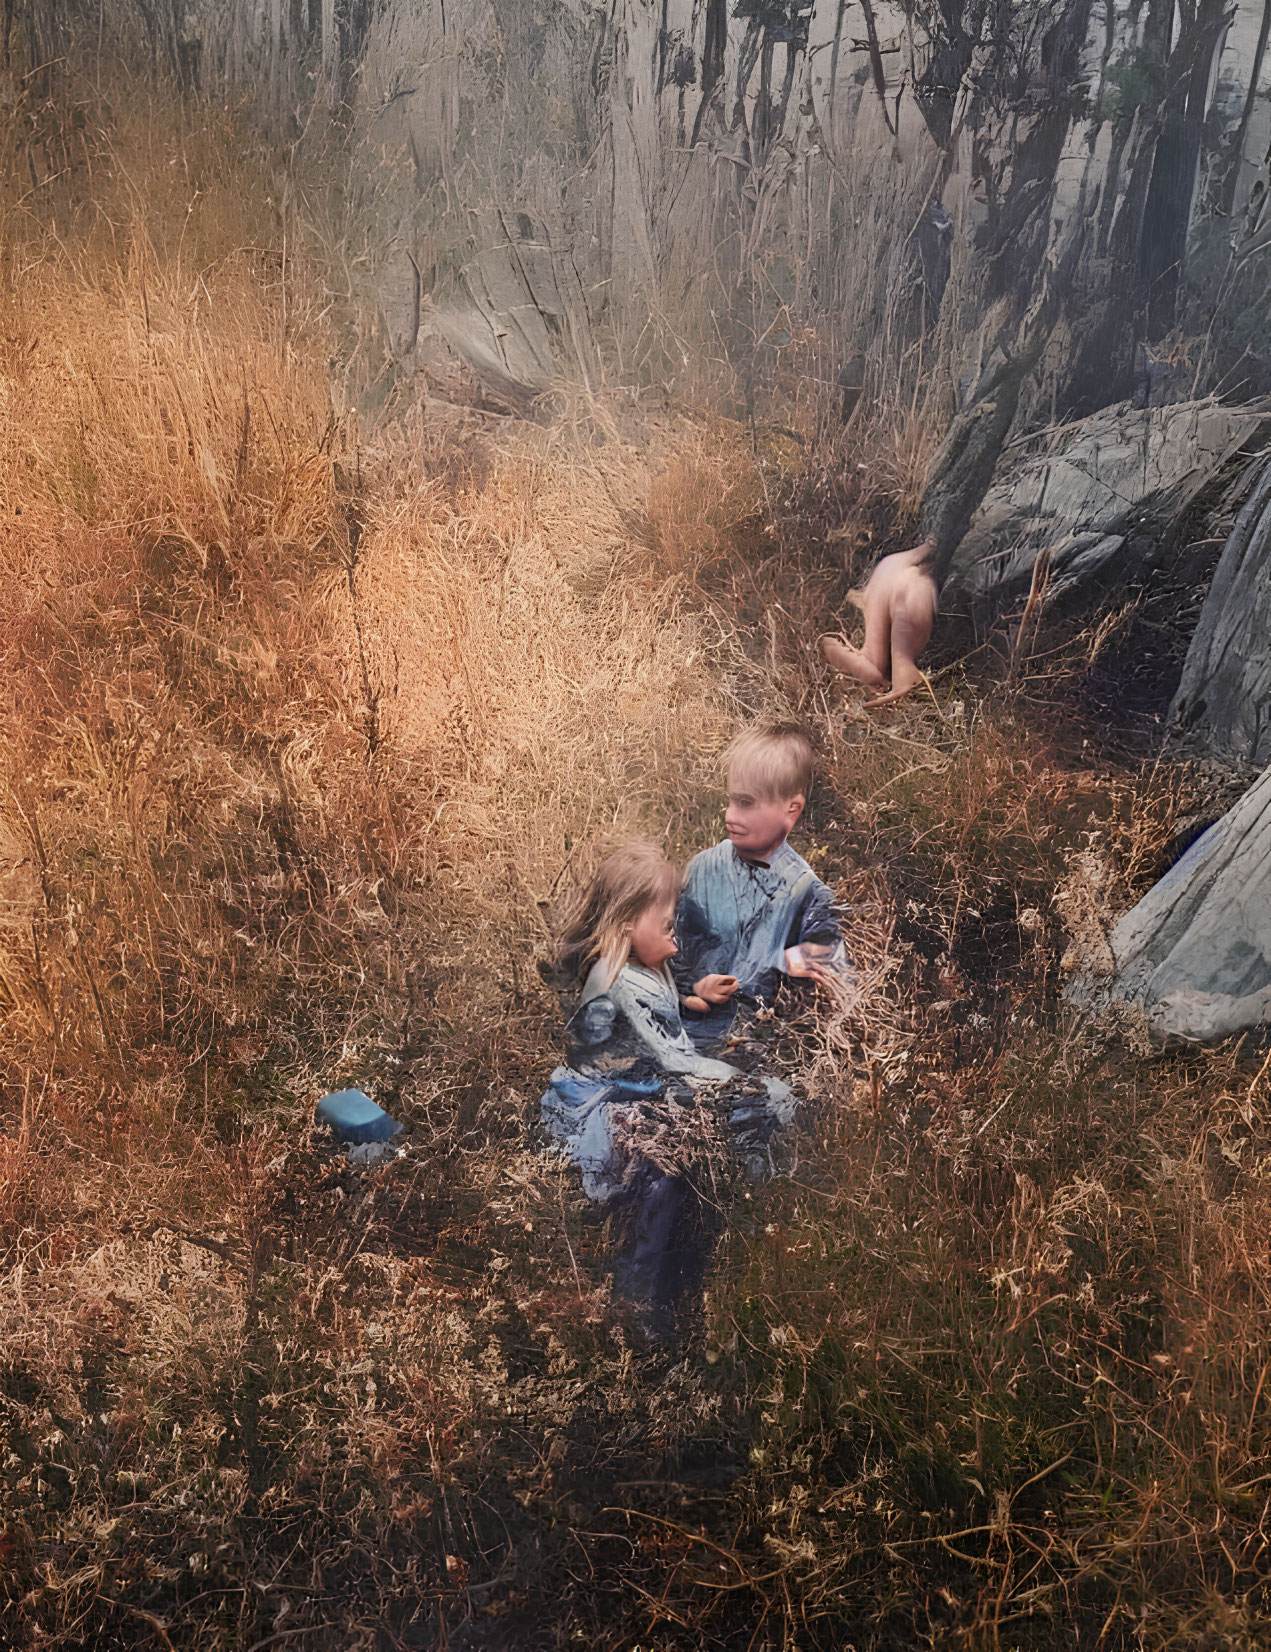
{"x": 355, "y": 1118}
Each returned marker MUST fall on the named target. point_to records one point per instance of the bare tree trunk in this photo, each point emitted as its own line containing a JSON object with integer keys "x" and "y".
{"x": 714, "y": 49}
{"x": 952, "y": 49}
{"x": 1169, "y": 202}
{"x": 275, "y": 56}
{"x": 44, "y": 38}
{"x": 834, "y": 60}
{"x": 330, "y": 49}
{"x": 1014, "y": 232}
{"x": 962, "y": 471}
{"x": 875, "y": 59}
{"x": 1123, "y": 130}
{"x": 1232, "y": 181}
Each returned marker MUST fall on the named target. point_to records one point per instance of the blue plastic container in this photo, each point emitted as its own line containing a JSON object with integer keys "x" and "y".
{"x": 355, "y": 1118}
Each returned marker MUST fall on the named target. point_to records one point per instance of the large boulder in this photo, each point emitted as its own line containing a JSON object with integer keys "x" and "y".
{"x": 1193, "y": 958}
{"x": 1223, "y": 704}
{"x": 513, "y": 322}
{"x": 1096, "y": 495}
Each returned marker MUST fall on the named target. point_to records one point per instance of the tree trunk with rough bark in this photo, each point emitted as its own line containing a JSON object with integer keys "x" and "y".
{"x": 1232, "y": 180}
{"x": 1168, "y": 206}
{"x": 962, "y": 471}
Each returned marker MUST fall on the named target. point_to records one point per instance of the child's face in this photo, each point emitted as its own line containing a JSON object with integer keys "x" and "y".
{"x": 758, "y": 825}
{"x": 653, "y": 935}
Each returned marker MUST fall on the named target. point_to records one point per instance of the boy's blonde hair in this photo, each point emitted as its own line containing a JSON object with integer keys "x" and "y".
{"x": 626, "y": 884}
{"x": 774, "y": 758}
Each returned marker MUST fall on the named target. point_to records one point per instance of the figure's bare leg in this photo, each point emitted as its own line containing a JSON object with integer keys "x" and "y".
{"x": 913, "y": 615}
{"x": 851, "y": 662}
{"x": 877, "y": 646}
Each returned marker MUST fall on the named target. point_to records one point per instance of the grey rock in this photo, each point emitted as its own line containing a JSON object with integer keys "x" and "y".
{"x": 514, "y": 323}
{"x": 1223, "y": 704}
{"x": 1193, "y": 958}
{"x": 1096, "y": 496}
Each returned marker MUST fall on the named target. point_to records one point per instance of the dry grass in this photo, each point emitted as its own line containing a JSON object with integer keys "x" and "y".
{"x": 302, "y": 724}
{"x": 300, "y": 729}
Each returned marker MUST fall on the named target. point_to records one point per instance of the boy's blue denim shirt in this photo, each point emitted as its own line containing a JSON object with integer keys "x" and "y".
{"x": 738, "y": 917}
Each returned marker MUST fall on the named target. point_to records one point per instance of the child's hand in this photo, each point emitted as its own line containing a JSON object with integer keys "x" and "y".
{"x": 697, "y": 1004}
{"x": 808, "y": 962}
{"x": 715, "y": 989}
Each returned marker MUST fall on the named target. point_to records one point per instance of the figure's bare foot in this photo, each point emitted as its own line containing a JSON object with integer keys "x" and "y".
{"x": 888, "y": 699}
{"x": 898, "y": 692}
{"x": 851, "y": 662}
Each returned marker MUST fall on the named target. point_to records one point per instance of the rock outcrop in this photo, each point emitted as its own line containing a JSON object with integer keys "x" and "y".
{"x": 1223, "y": 704}
{"x": 514, "y": 323}
{"x": 1096, "y": 499}
{"x": 1193, "y": 958}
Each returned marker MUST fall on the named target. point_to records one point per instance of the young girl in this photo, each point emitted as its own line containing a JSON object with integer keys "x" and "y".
{"x": 626, "y": 1037}
{"x": 625, "y": 1045}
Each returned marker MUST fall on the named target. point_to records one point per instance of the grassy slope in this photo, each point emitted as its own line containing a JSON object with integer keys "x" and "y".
{"x": 301, "y": 725}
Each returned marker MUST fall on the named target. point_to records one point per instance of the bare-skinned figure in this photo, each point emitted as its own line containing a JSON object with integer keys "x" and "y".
{"x": 899, "y": 601}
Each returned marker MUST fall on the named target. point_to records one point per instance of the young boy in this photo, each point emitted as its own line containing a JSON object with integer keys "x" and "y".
{"x": 899, "y": 603}
{"x": 752, "y": 910}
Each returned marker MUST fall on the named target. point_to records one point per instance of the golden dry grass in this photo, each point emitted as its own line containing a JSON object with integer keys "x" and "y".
{"x": 302, "y": 724}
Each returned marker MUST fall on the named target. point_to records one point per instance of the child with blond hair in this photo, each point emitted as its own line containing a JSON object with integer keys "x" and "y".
{"x": 618, "y": 944}
{"x": 626, "y": 1044}
{"x": 752, "y": 911}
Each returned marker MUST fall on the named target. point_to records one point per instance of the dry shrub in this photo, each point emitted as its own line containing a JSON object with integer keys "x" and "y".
{"x": 1001, "y": 1338}
{"x": 300, "y": 726}
{"x": 701, "y": 506}
{"x": 268, "y": 683}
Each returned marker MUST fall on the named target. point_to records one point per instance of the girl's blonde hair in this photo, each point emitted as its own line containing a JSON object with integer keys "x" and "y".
{"x": 626, "y": 884}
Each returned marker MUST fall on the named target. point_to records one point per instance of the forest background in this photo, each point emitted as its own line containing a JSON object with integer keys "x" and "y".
{"x": 426, "y": 433}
